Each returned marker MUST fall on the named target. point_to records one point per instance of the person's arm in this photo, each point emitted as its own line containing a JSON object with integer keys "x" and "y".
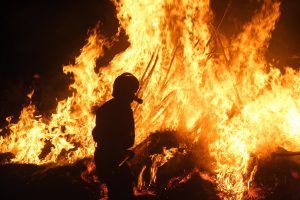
{"x": 131, "y": 132}
{"x": 97, "y": 129}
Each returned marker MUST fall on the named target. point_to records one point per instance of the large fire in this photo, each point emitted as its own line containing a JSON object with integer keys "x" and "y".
{"x": 193, "y": 80}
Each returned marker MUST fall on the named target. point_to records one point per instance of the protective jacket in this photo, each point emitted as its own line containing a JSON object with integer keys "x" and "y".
{"x": 114, "y": 134}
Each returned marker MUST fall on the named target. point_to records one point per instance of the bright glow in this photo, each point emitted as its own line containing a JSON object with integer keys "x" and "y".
{"x": 227, "y": 95}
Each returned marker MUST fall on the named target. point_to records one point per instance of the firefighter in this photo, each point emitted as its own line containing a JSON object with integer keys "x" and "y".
{"x": 114, "y": 134}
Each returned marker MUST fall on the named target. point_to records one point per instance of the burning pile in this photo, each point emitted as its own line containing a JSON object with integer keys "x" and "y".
{"x": 210, "y": 89}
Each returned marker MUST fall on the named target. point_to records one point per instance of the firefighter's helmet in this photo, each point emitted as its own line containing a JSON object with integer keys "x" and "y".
{"x": 125, "y": 86}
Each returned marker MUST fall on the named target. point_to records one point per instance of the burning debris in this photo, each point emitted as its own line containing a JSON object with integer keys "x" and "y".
{"x": 229, "y": 107}
{"x": 277, "y": 177}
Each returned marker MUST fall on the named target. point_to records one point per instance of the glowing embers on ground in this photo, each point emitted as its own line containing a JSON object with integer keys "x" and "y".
{"x": 225, "y": 95}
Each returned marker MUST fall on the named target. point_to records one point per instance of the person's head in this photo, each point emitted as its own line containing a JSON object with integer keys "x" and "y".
{"x": 125, "y": 86}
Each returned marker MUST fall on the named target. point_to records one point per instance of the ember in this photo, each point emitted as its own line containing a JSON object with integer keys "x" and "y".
{"x": 213, "y": 106}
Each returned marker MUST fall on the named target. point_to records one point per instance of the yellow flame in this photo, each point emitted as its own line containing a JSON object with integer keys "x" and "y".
{"x": 242, "y": 105}
{"x": 159, "y": 160}
{"x": 141, "y": 182}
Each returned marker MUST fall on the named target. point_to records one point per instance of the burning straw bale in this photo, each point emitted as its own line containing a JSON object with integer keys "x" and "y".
{"x": 165, "y": 164}
{"x": 279, "y": 177}
{"x": 179, "y": 177}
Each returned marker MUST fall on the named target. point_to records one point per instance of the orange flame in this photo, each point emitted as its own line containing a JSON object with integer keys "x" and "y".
{"x": 239, "y": 102}
{"x": 159, "y": 160}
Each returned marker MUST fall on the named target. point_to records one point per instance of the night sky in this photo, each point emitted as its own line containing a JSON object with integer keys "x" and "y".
{"x": 39, "y": 37}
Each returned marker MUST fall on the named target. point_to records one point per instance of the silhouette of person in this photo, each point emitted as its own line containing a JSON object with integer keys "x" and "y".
{"x": 114, "y": 134}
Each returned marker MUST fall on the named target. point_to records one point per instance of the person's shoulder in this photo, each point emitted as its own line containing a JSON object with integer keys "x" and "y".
{"x": 110, "y": 103}
{"x": 107, "y": 105}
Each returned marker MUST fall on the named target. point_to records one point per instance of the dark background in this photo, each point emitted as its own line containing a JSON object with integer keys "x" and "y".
{"x": 39, "y": 37}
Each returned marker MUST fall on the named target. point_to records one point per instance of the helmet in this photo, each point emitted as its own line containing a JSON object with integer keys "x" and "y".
{"x": 125, "y": 86}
